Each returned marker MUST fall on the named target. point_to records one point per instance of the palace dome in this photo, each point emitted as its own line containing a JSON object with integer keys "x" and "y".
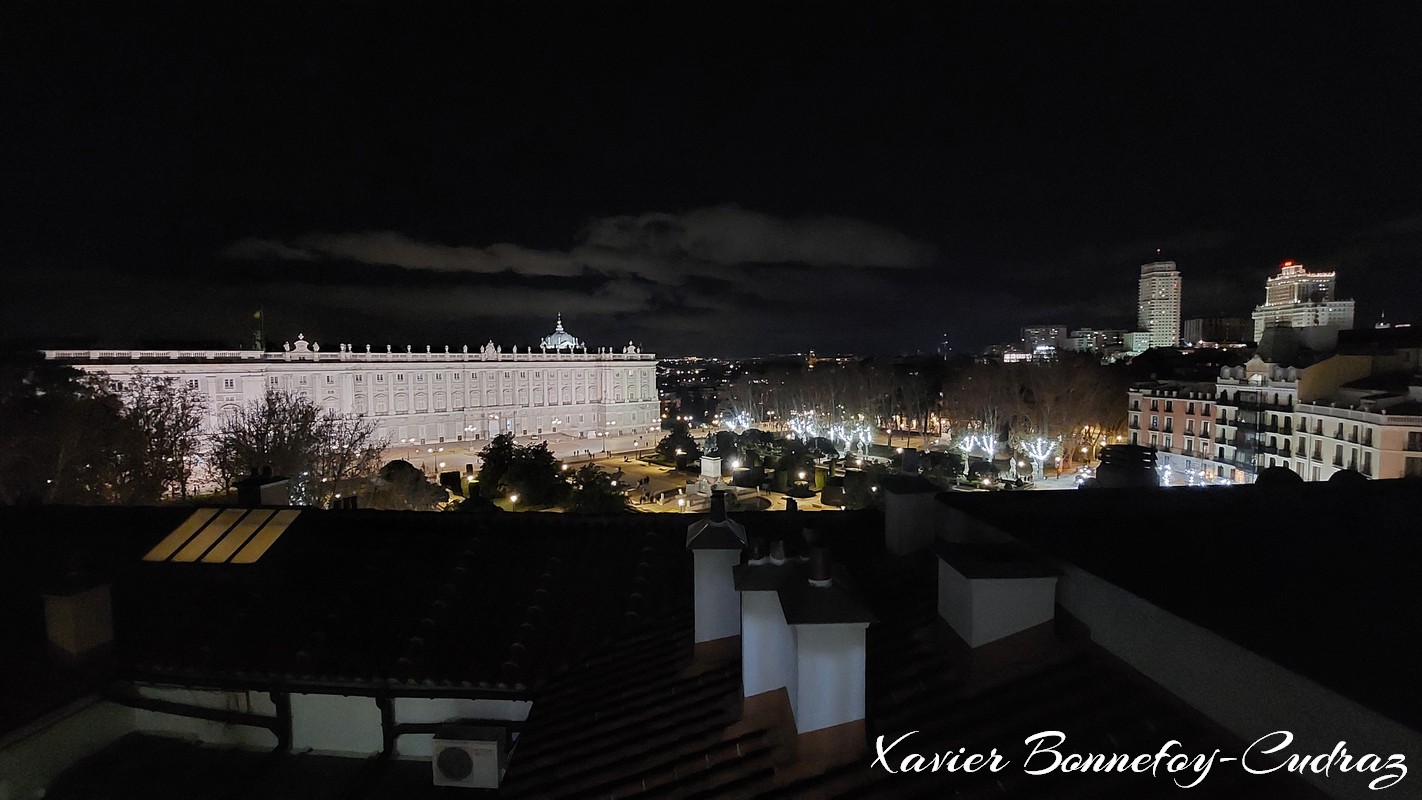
{"x": 560, "y": 339}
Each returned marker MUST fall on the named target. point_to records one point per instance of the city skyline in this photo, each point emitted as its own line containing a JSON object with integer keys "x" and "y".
{"x": 702, "y": 184}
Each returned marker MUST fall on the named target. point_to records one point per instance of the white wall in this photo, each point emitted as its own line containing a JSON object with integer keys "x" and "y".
{"x": 830, "y": 676}
{"x": 335, "y": 724}
{"x": 983, "y": 610}
{"x": 31, "y": 758}
{"x": 767, "y": 645}
{"x": 1247, "y": 694}
{"x": 203, "y": 730}
{"x": 718, "y": 604}
{"x": 34, "y": 756}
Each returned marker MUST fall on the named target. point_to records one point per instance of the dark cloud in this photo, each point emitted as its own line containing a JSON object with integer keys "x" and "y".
{"x": 730, "y": 235}
{"x": 691, "y": 243}
{"x": 723, "y": 269}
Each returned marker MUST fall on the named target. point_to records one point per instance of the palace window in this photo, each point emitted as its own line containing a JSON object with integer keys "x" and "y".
{"x": 227, "y": 383}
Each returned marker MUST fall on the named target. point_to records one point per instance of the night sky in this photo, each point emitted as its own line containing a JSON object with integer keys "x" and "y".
{"x": 705, "y": 178}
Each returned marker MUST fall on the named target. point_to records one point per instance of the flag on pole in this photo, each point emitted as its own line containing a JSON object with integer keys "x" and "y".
{"x": 259, "y": 333}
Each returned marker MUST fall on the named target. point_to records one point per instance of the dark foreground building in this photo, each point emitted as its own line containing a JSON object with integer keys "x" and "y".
{"x": 269, "y": 653}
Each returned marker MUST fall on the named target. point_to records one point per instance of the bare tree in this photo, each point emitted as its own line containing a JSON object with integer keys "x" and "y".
{"x": 1078, "y": 401}
{"x": 985, "y": 398}
{"x": 167, "y": 417}
{"x": 295, "y": 438}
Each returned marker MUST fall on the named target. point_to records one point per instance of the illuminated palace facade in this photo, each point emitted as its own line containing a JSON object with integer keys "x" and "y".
{"x": 420, "y": 397}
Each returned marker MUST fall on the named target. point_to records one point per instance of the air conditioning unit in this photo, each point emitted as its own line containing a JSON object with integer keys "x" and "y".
{"x": 469, "y": 756}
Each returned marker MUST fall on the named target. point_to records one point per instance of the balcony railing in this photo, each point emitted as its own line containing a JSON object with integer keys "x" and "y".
{"x": 1378, "y": 417}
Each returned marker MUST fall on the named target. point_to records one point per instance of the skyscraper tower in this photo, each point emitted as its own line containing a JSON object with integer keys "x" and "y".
{"x": 1298, "y": 298}
{"x": 1158, "y": 310}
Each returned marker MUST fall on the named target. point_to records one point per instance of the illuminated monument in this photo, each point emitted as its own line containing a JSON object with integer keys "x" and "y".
{"x": 422, "y": 397}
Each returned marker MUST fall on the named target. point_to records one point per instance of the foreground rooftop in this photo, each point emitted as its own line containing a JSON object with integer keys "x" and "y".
{"x": 590, "y": 621}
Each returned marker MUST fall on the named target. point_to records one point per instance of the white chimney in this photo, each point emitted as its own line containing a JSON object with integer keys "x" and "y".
{"x": 768, "y": 660}
{"x": 987, "y": 592}
{"x": 79, "y": 618}
{"x": 829, "y": 624}
{"x": 716, "y": 544}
